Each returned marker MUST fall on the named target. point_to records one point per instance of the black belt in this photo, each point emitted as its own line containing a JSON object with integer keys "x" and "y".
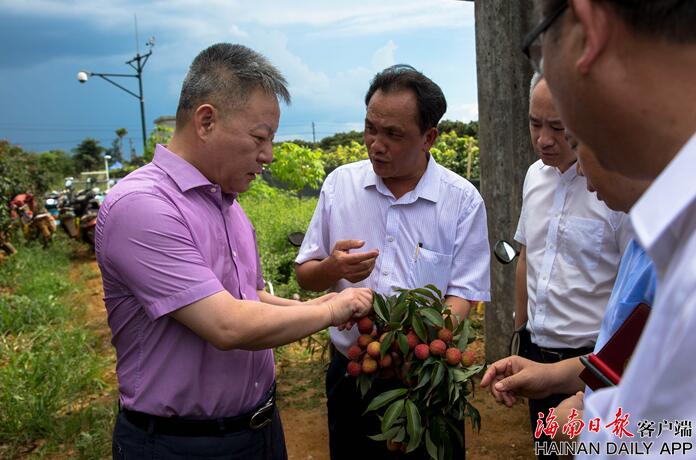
{"x": 554, "y": 355}
{"x": 255, "y": 419}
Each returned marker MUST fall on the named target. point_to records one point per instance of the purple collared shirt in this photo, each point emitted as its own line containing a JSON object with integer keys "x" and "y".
{"x": 166, "y": 237}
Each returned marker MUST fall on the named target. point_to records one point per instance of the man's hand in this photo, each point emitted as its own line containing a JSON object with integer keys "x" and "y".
{"x": 354, "y": 267}
{"x": 516, "y": 376}
{"x": 349, "y": 305}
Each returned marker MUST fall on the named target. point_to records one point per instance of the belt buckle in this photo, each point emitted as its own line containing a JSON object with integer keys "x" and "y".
{"x": 255, "y": 423}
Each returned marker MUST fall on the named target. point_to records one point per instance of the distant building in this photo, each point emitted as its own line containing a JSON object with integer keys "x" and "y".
{"x": 167, "y": 121}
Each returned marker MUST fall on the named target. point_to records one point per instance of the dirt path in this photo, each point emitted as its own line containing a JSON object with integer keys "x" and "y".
{"x": 504, "y": 434}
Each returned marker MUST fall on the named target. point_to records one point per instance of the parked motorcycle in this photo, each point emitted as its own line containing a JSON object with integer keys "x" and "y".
{"x": 36, "y": 221}
{"x": 88, "y": 221}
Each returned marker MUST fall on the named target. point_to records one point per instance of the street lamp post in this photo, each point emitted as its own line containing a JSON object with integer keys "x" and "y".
{"x": 106, "y": 168}
{"x": 138, "y": 63}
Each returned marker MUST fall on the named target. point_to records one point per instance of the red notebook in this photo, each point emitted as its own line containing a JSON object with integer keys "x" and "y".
{"x": 613, "y": 358}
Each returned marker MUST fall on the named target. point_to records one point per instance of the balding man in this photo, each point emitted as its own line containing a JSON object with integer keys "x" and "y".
{"x": 571, "y": 248}
{"x": 622, "y": 75}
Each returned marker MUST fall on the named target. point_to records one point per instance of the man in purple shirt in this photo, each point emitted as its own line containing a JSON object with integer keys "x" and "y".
{"x": 191, "y": 323}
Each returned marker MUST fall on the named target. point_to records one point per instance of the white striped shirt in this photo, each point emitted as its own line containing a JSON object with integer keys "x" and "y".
{"x": 444, "y": 213}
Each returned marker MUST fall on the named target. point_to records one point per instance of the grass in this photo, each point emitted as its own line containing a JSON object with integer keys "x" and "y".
{"x": 275, "y": 213}
{"x": 50, "y": 368}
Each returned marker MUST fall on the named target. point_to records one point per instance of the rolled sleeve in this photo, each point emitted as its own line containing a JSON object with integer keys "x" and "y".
{"x": 471, "y": 262}
{"x": 316, "y": 243}
{"x": 148, "y": 247}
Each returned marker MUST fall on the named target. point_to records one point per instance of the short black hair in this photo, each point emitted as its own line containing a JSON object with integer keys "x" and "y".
{"x": 226, "y": 74}
{"x": 673, "y": 20}
{"x": 430, "y": 100}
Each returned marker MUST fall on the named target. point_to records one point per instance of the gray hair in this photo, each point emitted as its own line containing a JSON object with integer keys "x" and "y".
{"x": 225, "y": 75}
{"x": 536, "y": 79}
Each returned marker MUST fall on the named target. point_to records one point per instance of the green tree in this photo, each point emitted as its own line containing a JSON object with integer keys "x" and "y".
{"x": 462, "y": 129}
{"x": 296, "y": 166}
{"x": 88, "y": 155}
{"x": 116, "y": 150}
{"x": 159, "y": 135}
{"x": 458, "y": 153}
{"x": 56, "y": 165}
{"x": 332, "y": 142}
{"x": 351, "y": 152}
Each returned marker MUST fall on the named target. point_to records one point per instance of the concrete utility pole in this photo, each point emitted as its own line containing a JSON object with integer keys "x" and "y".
{"x": 505, "y": 146}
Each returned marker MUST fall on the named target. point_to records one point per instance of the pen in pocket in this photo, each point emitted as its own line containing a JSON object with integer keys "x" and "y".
{"x": 420, "y": 245}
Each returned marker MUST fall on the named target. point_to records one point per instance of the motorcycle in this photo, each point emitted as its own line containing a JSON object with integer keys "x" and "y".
{"x": 88, "y": 221}
{"x": 36, "y": 222}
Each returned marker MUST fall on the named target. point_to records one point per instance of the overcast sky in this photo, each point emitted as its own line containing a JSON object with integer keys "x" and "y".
{"x": 327, "y": 49}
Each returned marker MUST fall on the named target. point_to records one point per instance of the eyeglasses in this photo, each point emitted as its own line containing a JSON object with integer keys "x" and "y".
{"x": 531, "y": 46}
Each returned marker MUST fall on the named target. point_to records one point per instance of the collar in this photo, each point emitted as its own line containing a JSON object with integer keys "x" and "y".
{"x": 183, "y": 173}
{"x": 569, "y": 174}
{"x": 428, "y": 186}
{"x": 668, "y": 196}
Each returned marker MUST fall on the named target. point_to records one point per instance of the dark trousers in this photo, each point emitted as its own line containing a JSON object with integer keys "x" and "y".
{"x": 348, "y": 427}
{"x": 267, "y": 443}
{"x": 531, "y": 351}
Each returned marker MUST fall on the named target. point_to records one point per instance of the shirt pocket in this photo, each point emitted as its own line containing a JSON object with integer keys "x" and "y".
{"x": 431, "y": 267}
{"x": 581, "y": 242}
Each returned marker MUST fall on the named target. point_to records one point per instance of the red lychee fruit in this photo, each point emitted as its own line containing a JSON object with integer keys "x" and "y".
{"x": 467, "y": 358}
{"x": 453, "y": 356}
{"x": 386, "y": 361}
{"x": 365, "y": 325}
{"x": 354, "y": 369}
{"x": 438, "y": 347}
{"x": 364, "y": 340}
{"x": 369, "y": 366}
{"x": 396, "y": 358}
{"x": 422, "y": 351}
{"x": 413, "y": 340}
{"x": 354, "y": 353}
{"x": 373, "y": 349}
{"x": 393, "y": 446}
{"x": 445, "y": 335}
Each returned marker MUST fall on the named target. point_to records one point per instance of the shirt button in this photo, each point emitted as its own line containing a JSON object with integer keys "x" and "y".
{"x": 385, "y": 273}
{"x": 390, "y": 239}
{"x": 544, "y": 278}
{"x": 213, "y": 189}
{"x": 234, "y": 253}
{"x": 243, "y": 296}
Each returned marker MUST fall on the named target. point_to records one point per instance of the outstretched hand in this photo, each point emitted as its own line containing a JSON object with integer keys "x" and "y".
{"x": 353, "y": 266}
{"x": 515, "y": 376}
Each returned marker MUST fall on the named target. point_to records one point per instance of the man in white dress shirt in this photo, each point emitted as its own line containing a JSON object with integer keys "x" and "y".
{"x": 622, "y": 75}
{"x": 571, "y": 249}
{"x": 421, "y": 223}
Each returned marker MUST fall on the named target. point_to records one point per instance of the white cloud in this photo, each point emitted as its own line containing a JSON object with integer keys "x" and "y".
{"x": 462, "y": 112}
{"x": 384, "y": 57}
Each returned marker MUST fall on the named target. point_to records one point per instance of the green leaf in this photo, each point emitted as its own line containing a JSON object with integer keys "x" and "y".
{"x": 430, "y": 446}
{"x": 365, "y": 382}
{"x": 433, "y": 316}
{"x": 386, "y": 435}
{"x": 413, "y": 426}
{"x": 403, "y": 343}
{"x": 399, "y": 311}
{"x": 380, "y": 307}
{"x": 400, "y": 435}
{"x": 427, "y": 293}
{"x": 464, "y": 337}
{"x": 424, "y": 380}
{"x": 438, "y": 376}
{"x": 434, "y": 288}
{"x": 386, "y": 343}
{"x": 385, "y": 398}
{"x": 393, "y": 413}
{"x": 419, "y": 328}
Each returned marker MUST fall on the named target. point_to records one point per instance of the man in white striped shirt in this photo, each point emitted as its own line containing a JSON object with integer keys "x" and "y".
{"x": 420, "y": 223}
